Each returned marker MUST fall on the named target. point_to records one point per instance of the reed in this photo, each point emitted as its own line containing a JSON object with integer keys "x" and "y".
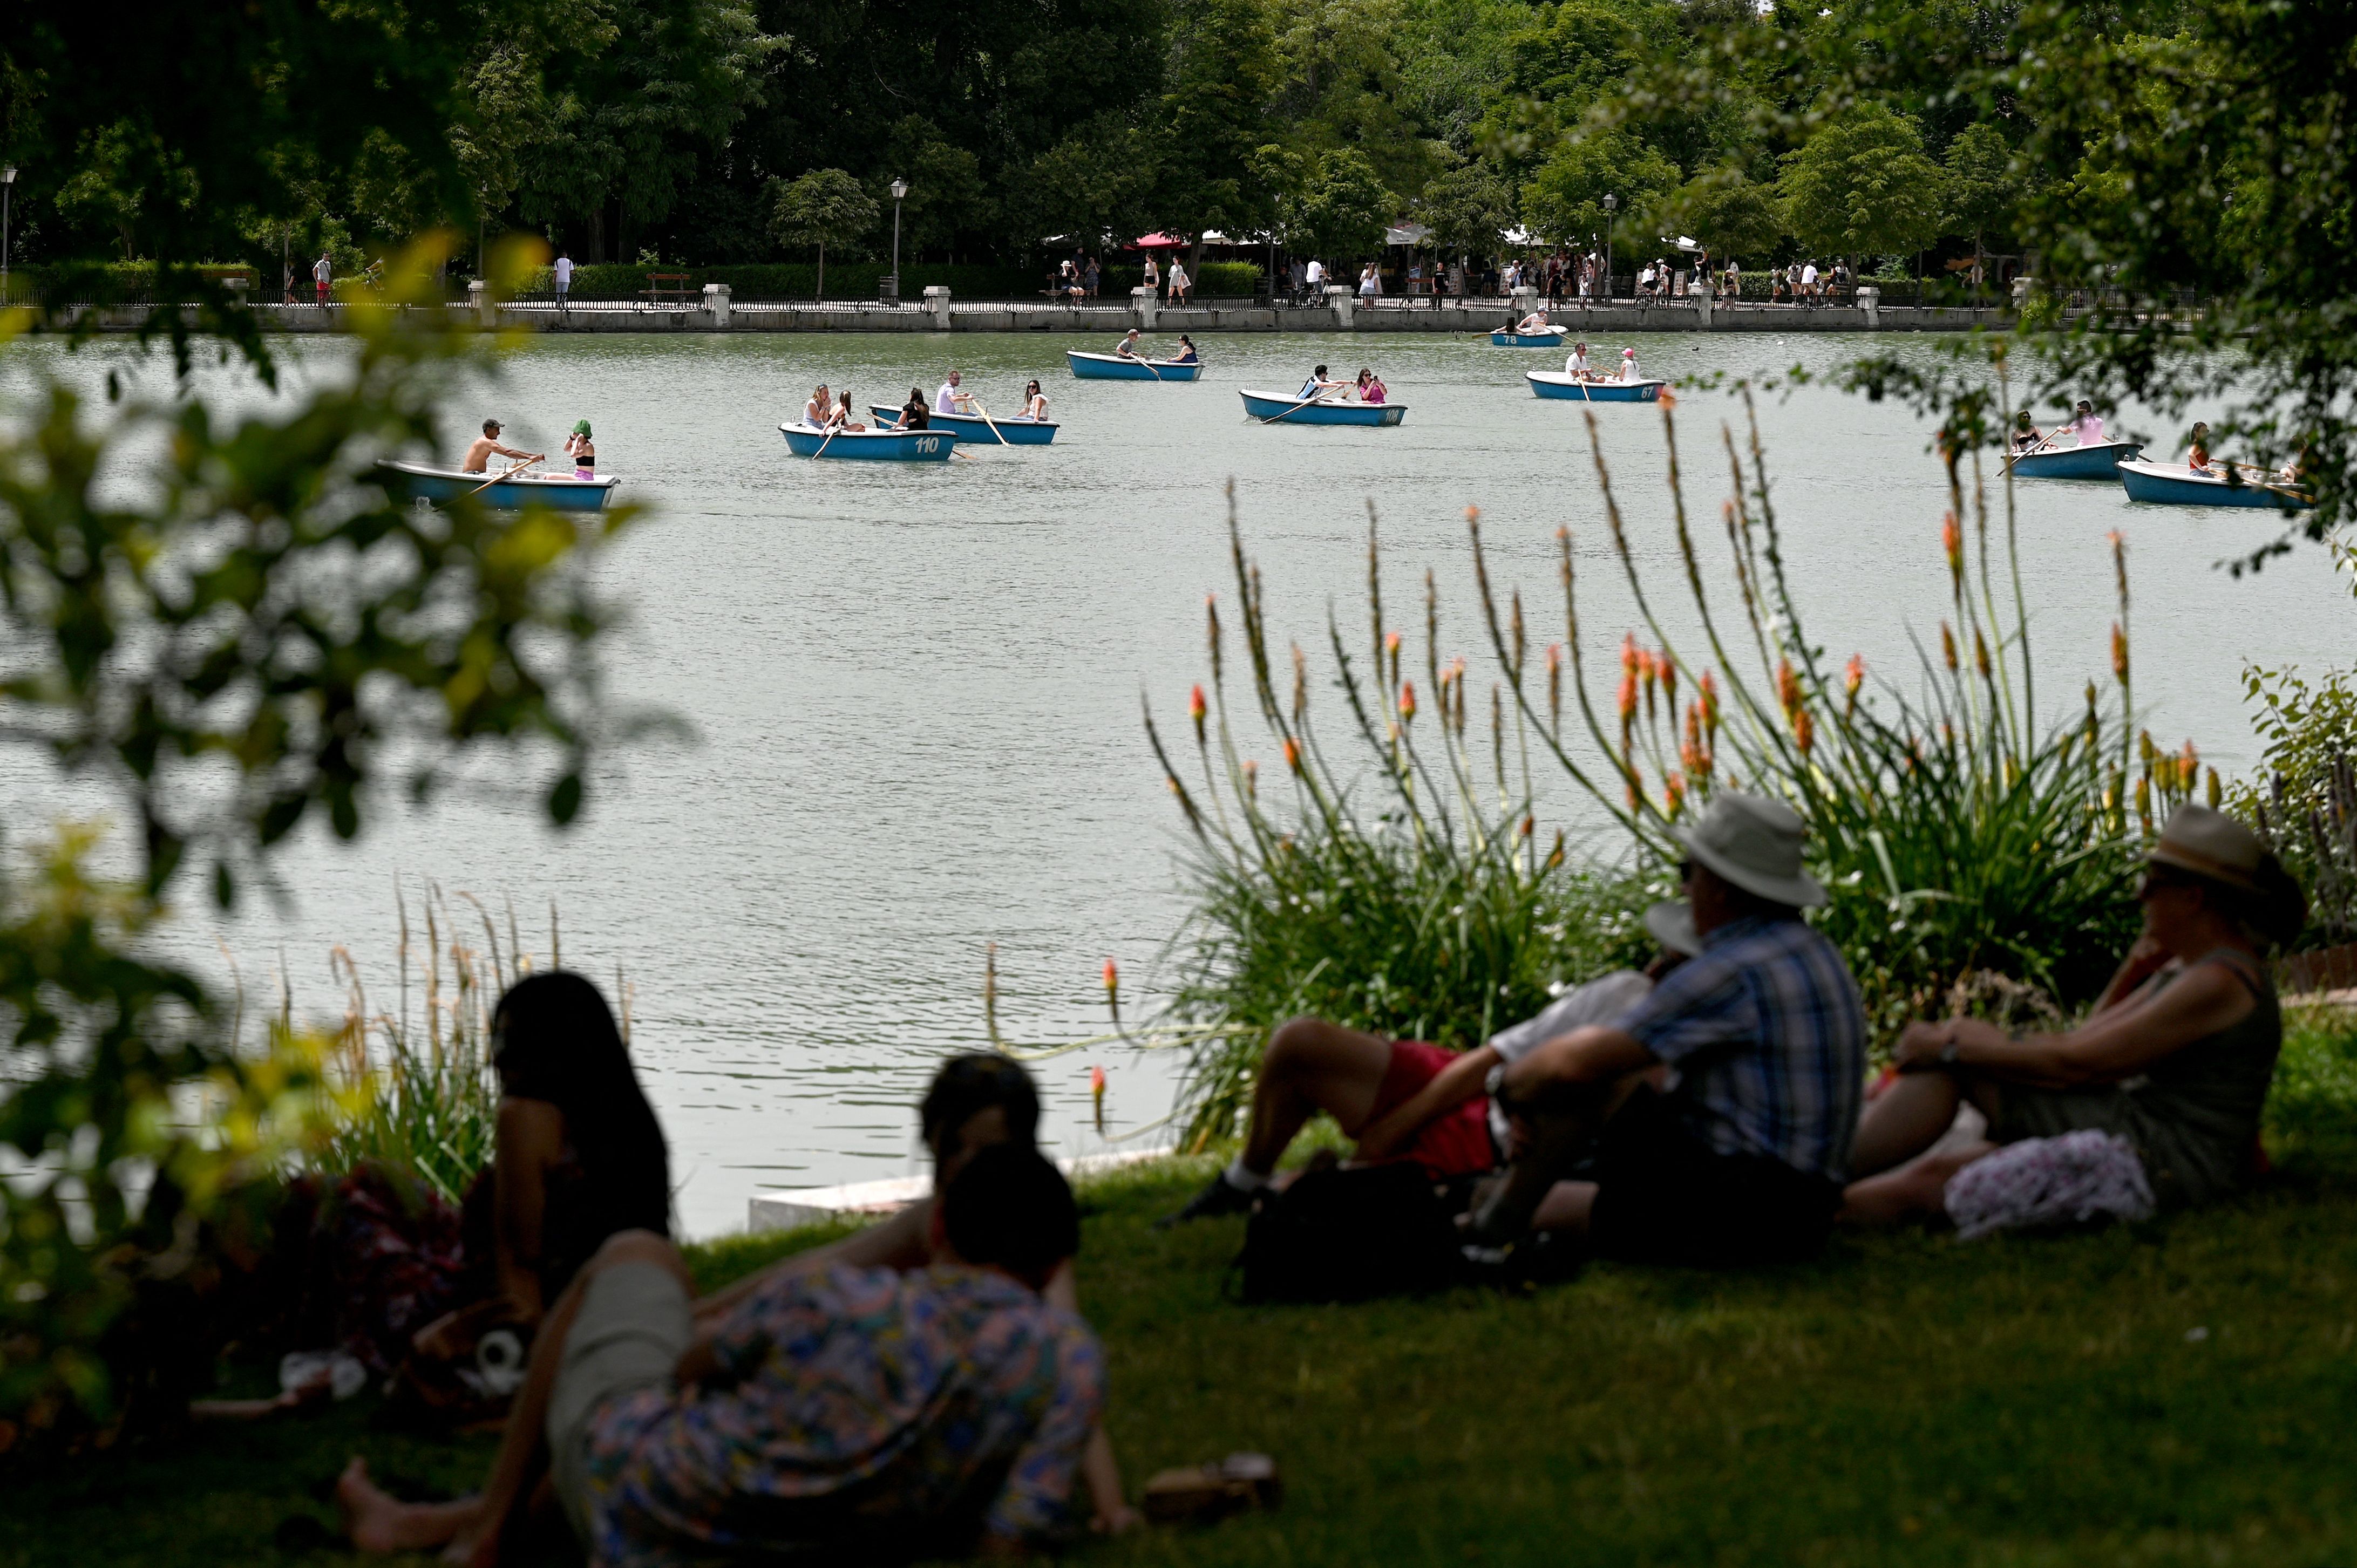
{"x": 429, "y": 1102}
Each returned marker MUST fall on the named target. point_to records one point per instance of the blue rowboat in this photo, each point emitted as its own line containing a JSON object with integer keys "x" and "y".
{"x": 1123, "y": 367}
{"x": 1282, "y": 409}
{"x": 974, "y": 431}
{"x": 1506, "y": 337}
{"x": 2096, "y": 460}
{"x": 1557, "y": 384}
{"x": 419, "y": 481}
{"x": 2174, "y": 484}
{"x": 871, "y": 445}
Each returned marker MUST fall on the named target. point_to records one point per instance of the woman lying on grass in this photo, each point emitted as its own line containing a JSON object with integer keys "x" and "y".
{"x": 2176, "y": 1058}
{"x": 974, "y": 1102}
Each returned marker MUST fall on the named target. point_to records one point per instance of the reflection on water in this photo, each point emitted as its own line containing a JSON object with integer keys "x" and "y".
{"x": 914, "y": 688}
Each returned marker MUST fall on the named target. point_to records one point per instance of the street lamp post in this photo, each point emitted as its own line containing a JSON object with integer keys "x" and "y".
{"x": 7, "y": 186}
{"x": 899, "y": 191}
{"x": 1610, "y": 202}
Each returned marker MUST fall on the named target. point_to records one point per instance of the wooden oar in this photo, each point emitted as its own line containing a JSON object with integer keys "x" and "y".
{"x": 830, "y": 437}
{"x": 1296, "y": 408}
{"x": 503, "y": 477}
{"x": 1003, "y": 441}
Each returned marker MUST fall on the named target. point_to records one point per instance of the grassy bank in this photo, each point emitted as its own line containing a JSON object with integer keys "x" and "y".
{"x": 2162, "y": 1394}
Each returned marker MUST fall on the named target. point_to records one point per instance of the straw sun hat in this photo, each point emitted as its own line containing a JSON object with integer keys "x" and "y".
{"x": 1754, "y": 843}
{"x": 2216, "y": 848}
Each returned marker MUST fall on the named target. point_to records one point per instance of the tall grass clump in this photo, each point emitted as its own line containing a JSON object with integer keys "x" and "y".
{"x": 429, "y": 1099}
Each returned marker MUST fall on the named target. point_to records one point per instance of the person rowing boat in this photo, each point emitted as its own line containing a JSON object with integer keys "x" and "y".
{"x": 1577, "y": 366}
{"x": 1533, "y": 324}
{"x": 1318, "y": 386}
{"x": 2086, "y": 426}
{"x": 951, "y": 399}
{"x": 1127, "y": 347}
{"x": 481, "y": 452}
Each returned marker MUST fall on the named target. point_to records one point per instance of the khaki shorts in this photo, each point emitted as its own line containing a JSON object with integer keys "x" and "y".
{"x": 629, "y": 1334}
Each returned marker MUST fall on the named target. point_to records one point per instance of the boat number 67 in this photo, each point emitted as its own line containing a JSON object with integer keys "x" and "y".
{"x": 928, "y": 443}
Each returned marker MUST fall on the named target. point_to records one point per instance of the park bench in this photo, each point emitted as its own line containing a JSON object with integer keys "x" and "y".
{"x": 671, "y": 288}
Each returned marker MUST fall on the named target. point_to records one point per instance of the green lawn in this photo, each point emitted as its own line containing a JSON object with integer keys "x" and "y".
{"x": 2163, "y": 1394}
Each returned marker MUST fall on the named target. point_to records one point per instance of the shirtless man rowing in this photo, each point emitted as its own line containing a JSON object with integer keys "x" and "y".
{"x": 478, "y": 455}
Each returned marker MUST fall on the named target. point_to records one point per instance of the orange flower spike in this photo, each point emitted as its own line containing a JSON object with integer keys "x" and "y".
{"x": 1636, "y": 786}
{"x": 1788, "y": 687}
{"x": 1112, "y": 979}
{"x": 1947, "y": 645}
{"x": 2119, "y": 654}
{"x": 1709, "y": 706}
{"x": 1097, "y": 1082}
{"x": 1804, "y": 730}
{"x": 1530, "y": 826}
{"x": 1293, "y": 754}
{"x": 1669, "y": 673}
{"x": 1980, "y": 653}
{"x": 1408, "y": 701}
{"x": 1196, "y": 708}
{"x": 1673, "y": 793}
{"x": 1952, "y": 541}
{"x": 1628, "y": 699}
{"x": 1629, "y": 653}
{"x": 1853, "y": 676}
{"x": 1252, "y": 778}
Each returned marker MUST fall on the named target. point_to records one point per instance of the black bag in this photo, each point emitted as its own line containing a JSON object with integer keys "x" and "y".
{"x": 1349, "y": 1235}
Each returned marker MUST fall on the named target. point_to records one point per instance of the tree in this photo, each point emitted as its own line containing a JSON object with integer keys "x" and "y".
{"x": 1102, "y": 179}
{"x": 1565, "y": 199}
{"x": 1468, "y": 209}
{"x": 826, "y": 207}
{"x": 1725, "y": 209}
{"x": 1225, "y": 72}
{"x": 1982, "y": 188}
{"x": 946, "y": 198}
{"x": 1344, "y": 208}
{"x": 1862, "y": 186}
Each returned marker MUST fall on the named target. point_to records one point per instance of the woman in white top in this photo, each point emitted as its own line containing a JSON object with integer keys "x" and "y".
{"x": 1535, "y": 321}
{"x": 1371, "y": 283}
{"x": 820, "y": 405}
{"x": 1629, "y": 370}
{"x": 1179, "y": 284}
{"x": 1734, "y": 276}
{"x": 1153, "y": 275}
{"x": 1035, "y": 403}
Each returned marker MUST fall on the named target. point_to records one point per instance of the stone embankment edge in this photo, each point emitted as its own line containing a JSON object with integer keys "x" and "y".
{"x": 1111, "y": 322}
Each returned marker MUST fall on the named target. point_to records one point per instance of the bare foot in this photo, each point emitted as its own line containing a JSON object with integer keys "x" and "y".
{"x": 378, "y": 1522}
{"x": 468, "y": 1550}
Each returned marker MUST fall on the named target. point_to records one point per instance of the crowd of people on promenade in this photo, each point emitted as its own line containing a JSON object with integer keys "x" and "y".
{"x": 930, "y": 1385}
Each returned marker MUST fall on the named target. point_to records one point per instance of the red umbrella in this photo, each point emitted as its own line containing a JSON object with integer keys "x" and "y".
{"x": 1156, "y": 242}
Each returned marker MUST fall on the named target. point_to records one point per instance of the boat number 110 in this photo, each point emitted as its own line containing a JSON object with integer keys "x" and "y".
{"x": 928, "y": 443}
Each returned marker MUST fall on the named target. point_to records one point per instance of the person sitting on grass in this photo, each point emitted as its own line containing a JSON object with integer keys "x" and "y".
{"x": 2176, "y": 1058}
{"x": 1404, "y": 1099}
{"x": 837, "y": 1413}
{"x": 1741, "y": 1160}
{"x": 974, "y": 1102}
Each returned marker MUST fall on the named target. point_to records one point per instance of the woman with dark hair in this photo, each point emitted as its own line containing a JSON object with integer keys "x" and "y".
{"x": 579, "y": 1157}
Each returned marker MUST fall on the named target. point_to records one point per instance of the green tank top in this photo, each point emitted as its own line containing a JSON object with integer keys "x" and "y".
{"x": 2202, "y": 1105}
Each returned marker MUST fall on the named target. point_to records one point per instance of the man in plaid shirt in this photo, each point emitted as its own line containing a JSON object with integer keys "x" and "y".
{"x": 1719, "y": 1111}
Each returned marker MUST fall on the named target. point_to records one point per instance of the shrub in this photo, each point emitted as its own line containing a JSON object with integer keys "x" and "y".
{"x": 1228, "y": 278}
{"x": 794, "y": 280}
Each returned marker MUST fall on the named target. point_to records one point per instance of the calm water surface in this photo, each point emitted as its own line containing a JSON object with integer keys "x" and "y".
{"x": 914, "y": 689}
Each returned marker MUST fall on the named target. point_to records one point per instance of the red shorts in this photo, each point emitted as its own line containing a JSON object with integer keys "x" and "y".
{"x": 1457, "y": 1142}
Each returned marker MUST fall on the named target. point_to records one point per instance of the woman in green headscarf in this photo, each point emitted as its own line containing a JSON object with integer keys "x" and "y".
{"x": 585, "y": 454}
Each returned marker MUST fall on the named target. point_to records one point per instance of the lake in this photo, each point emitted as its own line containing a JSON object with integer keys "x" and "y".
{"x": 914, "y": 689}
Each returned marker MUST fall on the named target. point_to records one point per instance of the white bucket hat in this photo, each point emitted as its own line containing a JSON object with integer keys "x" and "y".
{"x": 1754, "y": 843}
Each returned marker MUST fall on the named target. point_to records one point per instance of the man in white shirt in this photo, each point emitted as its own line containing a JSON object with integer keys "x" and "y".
{"x": 1577, "y": 364}
{"x": 949, "y": 400}
{"x": 1316, "y": 278}
{"x": 1809, "y": 281}
{"x": 323, "y": 272}
{"x": 564, "y": 271}
{"x": 1406, "y": 1099}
